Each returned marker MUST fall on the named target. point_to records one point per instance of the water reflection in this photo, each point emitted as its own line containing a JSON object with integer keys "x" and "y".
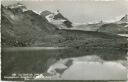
{"x": 95, "y": 71}
{"x": 40, "y": 60}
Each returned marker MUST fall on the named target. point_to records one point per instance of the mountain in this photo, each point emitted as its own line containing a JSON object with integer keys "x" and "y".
{"x": 22, "y": 28}
{"x": 119, "y": 27}
{"x": 26, "y": 28}
{"x": 89, "y": 27}
{"x": 57, "y": 19}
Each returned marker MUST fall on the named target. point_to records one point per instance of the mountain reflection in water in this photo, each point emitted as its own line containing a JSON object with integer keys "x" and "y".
{"x": 40, "y": 60}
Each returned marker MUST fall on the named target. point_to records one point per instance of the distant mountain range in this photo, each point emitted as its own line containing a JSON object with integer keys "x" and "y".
{"x": 116, "y": 27}
{"x": 22, "y": 27}
{"x": 89, "y": 27}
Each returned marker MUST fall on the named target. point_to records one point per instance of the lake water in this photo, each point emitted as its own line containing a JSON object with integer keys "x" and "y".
{"x": 86, "y": 64}
{"x": 95, "y": 71}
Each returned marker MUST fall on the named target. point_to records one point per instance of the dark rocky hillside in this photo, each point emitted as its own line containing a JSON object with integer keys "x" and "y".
{"x": 85, "y": 39}
{"x": 23, "y": 28}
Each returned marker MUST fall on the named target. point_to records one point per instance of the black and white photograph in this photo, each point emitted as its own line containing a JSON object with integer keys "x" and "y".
{"x": 64, "y": 40}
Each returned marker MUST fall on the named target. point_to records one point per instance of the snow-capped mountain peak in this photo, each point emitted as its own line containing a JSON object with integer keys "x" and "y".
{"x": 56, "y": 18}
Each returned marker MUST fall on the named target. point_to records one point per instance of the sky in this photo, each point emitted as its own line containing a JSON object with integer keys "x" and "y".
{"x": 79, "y": 11}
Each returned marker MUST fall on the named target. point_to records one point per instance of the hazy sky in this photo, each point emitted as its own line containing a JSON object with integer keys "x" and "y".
{"x": 80, "y": 11}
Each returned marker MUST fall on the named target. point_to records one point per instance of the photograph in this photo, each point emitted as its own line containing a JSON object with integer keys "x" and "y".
{"x": 64, "y": 40}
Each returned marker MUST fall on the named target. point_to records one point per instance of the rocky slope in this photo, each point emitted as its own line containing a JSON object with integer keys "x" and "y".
{"x": 26, "y": 28}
